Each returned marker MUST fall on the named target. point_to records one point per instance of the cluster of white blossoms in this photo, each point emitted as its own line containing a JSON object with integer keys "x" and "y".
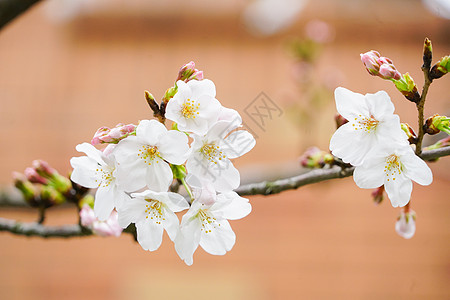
{"x": 133, "y": 176}
{"x": 372, "y": 140}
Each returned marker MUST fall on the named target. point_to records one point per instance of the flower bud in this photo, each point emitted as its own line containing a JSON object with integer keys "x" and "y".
{"x": 188, "y": 72}
{"x": 378, "y": 195}
{"x": 29, "y": 191}
{"x": 50, "y": 196}
{"x": 441, "y": 68}
{"x": 407, "y": 87}
{"x": 33, "y": 176}
{"x": 437, "y": 123}
{"x": 114, "y": 135}
{"x": 427, "y": 54}
{"x": 60, "y": 183}
{"x": 412, "y": 137}
{"x": 315, "y": 158}
{"x": 388, "y": 71}
{"x": 110, "y": 227}
{"x": 406, "y": 224}
{"x": 340, "y": 120}
{"x": 369, "y": 59}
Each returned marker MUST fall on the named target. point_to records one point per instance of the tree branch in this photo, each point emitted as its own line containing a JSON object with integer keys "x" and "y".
{"x": 10, "y": 9}
{"x": 261, "y": 188}
{"x": 314, "y": 176}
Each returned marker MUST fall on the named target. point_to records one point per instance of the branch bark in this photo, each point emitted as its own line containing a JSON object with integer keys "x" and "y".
{"x": 260, "y": 188}
{"x": 10, "y": 9}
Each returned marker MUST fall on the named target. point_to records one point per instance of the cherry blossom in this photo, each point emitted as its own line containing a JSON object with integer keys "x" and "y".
{"x": 393, "y": 165}
{"x": 144, "y": 158}
{"x": 371, "y": 120}
{"x": 152, "y": 212}
{"x": 194, "y": 107}
{"x": 206, "y": 224}
{"x": 97, "y": 170}
{"x": 211, "y": 153}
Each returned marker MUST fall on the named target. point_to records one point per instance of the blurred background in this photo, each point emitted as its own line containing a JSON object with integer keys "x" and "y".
{"x": 70, "y": 67}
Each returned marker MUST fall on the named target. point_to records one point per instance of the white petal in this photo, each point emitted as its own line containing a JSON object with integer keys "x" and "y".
{"x": 176, "y": 203}
{"x": 399, "y": 191}
{"x": 219, "y": 240}
{"x": 230, "y": 115}
{"x": 369, "y": 175}
{"x": 350, "y": 145}
{"x": 104, "y": 202}
{"x": 202, "y": 87}
{"x": 131, "y": 177}
{"x": 91, "y": 152}
{"x": 150, "y": 131}
{"x": 238, "y": 143}
{"x": 234, "y": 206}
{"x": 170, "y": 224}
{"x": 350, "y": 104}
{"x": 84, "y": 171}
{"x": 209, "y": 109}
{"x": 132, "y": 211}
{"x": 417, "y": 170}
{"x": 379, "y": 104}
{"x": 187, "y": 239}
{"x": 174, "y": 147}
{"x": 149, "y": 235}
{"x": 159, "y": 176}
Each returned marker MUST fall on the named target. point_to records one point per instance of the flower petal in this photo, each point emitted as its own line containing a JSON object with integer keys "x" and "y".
{"x": 150, "y": 131}
{"x": 170, "y": 223}
{"x": 176, "y": 203}
{"x": 104, "y": 202}
{"x": 238, "y": 143}
{"x": 188, "y": 238}
{"x": 351, "y": 145}
{"x": 370, "y": 175}
{"x": 202, "y": 87}
{"x": 174, "y": 147}
{"x": 159, "y": 176}
{"x": 91, "y": 152}
{"x": 379, "y": 104}
{"x": 149, "y": 235}
{"x": 219, "y": 239}
{"x": 232, "y": 206}
{"x": 132, "y": 211}
{"x": 350, "y": 104}
{"x": 84, "y": 171}
{"x": 399, "y": 191}
{"x": 416, "y": 169}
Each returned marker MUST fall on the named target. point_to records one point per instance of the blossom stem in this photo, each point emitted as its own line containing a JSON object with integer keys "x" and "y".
{"x": 420, "y": 109}
{"x": 188, "y": 189}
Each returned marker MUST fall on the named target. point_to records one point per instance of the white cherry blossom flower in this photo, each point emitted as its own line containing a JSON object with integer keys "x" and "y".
{"x": 97, "y": 170}
{"x": 406, "y": 224}
{"x": 395, "y": 166}
{"x": 206, "y": 224}
{"x": 142, "y": 158}
{"x": 194, "y": 107}
{"x": 371, "y": 120}
{"x": 211, "y": 154}
{"x": 152, "y": 212}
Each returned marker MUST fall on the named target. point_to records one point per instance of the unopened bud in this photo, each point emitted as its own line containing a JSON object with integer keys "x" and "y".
{"x": 315, "y": 158}
{"x": 427, "y": 54}
{"x": 340, "y": 120}
{"x": 188, "y": 72}
{"x": 369, "y": 59}
{"x": 33, "y": 176}
{"x": 380, "y": 66}
{"x": 43, "y": 168}
{"x": 412, "y": 137}
{"x": 441, "y": 68}
{"x": 408, "y": 88}
{"x": 388, "y": 71}
{"x": 50, "y": 196}
{"x": 29, "y": 191}
{"x": 378, "y": 195}
{"x": 406, "y": 224}
{"x": 113, "y": 136}
{"x": 436, "y": 123}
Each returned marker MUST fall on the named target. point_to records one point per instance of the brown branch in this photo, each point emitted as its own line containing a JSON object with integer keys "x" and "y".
{"x": 10, "y": 9}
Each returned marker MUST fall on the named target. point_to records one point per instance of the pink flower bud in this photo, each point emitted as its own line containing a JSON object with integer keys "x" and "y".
{"x": 110, "y": 227}
{"x": 384, "y": 60}
{"x": 33, "y": 176}
{"x": 388, "y": 71}
{"x": 406, "y": 224}
{"x": 43, "y": 168}
{"x": 188, "y": 72}
{"x": 197, "y": 75}
{"x": 369, "y": 60}
{"x": 114, "y": 135}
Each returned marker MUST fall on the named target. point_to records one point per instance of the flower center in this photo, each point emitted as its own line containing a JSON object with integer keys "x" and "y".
{"x": 149, "y": 153}
{"x": 393, "y": 167}
{"x": 189, "y": 109}
{"x": 104, "y": 175}
{"x": 154, "y": 210}
{"x": 208, "y": 222}
{"x": 365, "y": 123}
{"x": 212, "y": 153}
